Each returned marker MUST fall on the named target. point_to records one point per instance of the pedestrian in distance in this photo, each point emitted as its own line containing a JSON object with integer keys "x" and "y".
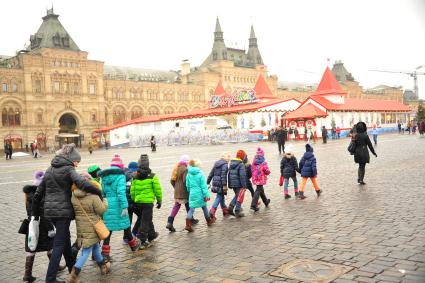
{"x": 308, "y": 170}
{"x": 88, "y": 210}
{"x": 217, "y": 179}
{"x": 55, "y": 190}
{"x": 8, "y": 150}
{"x": 199, "y": 195}
{"x": 181, "y": 195}
{"x": 153, "y": 144}
{"x": 145, "y": 190}
{"x": 288, "y": 170}
{"x": 46, "y": 232}
{"x": 324, "y": 134}
{"x": 281, "y": 135}
{"x": 374, "y": 134}
{"x": 260, "y": 171}
{"x": 361, "y": 155}
{"x": 237, "y": 182}
{"x": 116, "y": 216}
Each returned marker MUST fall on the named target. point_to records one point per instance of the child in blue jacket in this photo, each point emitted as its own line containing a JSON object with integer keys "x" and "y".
{"x": 308, "y": 170}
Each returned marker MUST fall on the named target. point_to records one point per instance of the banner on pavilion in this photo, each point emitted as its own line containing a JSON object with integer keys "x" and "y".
{"x": 241, "y": 96}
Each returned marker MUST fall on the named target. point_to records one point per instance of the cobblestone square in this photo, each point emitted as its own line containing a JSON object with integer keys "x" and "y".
{"x": 377, "y": 230}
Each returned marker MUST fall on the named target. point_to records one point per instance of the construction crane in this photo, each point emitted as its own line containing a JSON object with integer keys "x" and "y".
{"x": 414, "y": 74}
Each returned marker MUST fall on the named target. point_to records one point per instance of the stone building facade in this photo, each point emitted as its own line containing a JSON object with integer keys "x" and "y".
{"x": 52, "y": 93}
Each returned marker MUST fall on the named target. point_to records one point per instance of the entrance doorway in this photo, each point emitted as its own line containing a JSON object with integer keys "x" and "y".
{"x": 68, "y": 132}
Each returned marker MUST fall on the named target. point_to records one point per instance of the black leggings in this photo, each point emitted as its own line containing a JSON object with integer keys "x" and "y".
{"x": 259, "y": 192}
{"x": 127, "y": 235}
{"x": 362, "y": 171}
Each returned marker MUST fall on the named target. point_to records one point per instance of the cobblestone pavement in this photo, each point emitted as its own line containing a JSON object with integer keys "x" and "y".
{"x": 378, "y": 230}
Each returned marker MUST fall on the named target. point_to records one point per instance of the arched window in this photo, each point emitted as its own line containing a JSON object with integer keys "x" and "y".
{"x": 119, "y": 114}
{"x": 153, "y": 110}
{"x": 17, "y": 117}
{"x": 168, "y": 110}
{"x": 136, "y": 112}
{"x": 10, "y": 116}
{"x": 4, "y": 117}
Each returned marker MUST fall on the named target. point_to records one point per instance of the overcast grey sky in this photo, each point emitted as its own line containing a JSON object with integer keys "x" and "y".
{"x": 292, "y": 35}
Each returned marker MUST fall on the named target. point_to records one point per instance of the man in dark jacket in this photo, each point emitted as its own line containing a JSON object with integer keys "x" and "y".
{"x": 281, "y": 134}
{"x": 324, "y": 134}
{"x": 8, "y": 150}
{"x": 237, "y": 182}
{"x": 361, "y": 155}
{"x": 56, "y": 190}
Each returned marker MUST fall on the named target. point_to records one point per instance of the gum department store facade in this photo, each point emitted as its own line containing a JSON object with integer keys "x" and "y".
{"x": 51, "y": 92}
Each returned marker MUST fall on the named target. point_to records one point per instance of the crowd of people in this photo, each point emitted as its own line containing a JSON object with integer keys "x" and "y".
{"x": 411, "y": 127}
{"x": 104, "y": 202}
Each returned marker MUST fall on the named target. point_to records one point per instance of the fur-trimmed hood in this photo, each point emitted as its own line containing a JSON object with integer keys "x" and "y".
{"x": 288, "y": 155}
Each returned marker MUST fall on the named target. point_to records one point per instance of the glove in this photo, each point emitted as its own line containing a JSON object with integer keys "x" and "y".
{"x": 206, "y": 199}
{"x": 375, "y": 155}
{"x": 225, "y": 190}
{"x": 158, "y": 205}
{"x": 124, "y": 212}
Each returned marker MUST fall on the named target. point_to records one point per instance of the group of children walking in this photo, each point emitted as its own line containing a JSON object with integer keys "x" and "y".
{"x": 133, "y": 191}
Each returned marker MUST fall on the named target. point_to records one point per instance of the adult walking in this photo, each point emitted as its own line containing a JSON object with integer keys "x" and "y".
{"x": 361, "y": 155}
{"x": 8, "y": 149}
{"x": 55, "y": 188}
{"x": 325, "y": 134}
{"x": 281, "y": 138}
{"x": 153, "y": 143}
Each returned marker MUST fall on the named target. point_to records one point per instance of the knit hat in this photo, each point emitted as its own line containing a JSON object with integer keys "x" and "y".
{"x": 308, "y": 148}
{"x": 144, "y": 161}
{"x": 38, "y": 177}
{"x": 117, "y": 161}
{"x": 92, "y": 170}
{"x": 240, "y": 154}
{"x": 133, "y": 166}
{"x": 184, "y": 158}
{"x": 260, "y": 151}
{"x": 69, "y": 151}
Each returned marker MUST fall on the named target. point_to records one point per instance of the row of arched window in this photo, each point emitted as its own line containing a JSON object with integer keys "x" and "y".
{"x": 119, "y": 94}
{"x": 119, "y": 114}
{"x": 11, "y": 117}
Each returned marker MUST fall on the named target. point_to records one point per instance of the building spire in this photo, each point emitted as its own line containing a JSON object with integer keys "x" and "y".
{"x": 252, "y": 35}
{"x": 218, "y": 33}
{"x": 254, "y": 55}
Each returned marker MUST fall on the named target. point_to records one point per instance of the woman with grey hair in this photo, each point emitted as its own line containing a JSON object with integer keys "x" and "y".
{"x": 55, "y": 189}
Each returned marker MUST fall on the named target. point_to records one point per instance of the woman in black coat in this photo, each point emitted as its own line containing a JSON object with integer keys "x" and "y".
{"x": 361, "y": 155}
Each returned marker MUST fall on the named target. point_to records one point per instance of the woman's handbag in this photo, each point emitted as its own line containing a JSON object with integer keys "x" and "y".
{"x": 101, "y": 230}
{"x": 33, "y": 233}
{"x": 24, "y": 227}
{"x": 352, "y": 147}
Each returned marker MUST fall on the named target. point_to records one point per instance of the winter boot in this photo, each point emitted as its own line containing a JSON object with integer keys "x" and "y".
{"x": 287, "y": 196}
{"x": 153, "y": 236}
{"x": 195, "y": 221}
{"x": 170, "y": 226}
{"x": 230, "y": 209}
{"x": 318, "y": 192}
{"x": 106, "y": 251}
{"x": 73, "y": 276}
{"x": 61, "y": 267}
{"x": 209, "y": 220}
{"x": 239, "y": 214}
{"x": 302, "y": 196}
{"x": 105, "y": 267}
{"x": 255, "y": 208}
{"x": 297, "y": 194}
{"x": 225, "y": 211}
{"x": 188, "y": 225}
{"x": 134, "y": 244}
{"x": 29, "y": 262}
{"x": 212, "y": 214}
{"x": 268, "y": 202}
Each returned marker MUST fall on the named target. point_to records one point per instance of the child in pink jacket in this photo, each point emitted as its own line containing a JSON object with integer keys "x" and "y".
{"x": 260, "y": 171}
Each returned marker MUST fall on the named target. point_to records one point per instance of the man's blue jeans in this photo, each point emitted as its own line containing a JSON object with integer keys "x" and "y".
{"x": 85, "y": 252}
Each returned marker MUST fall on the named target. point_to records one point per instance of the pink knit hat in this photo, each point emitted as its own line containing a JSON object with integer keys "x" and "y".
{"x": 117, "y": 161}
{"x": 260, "y": 151}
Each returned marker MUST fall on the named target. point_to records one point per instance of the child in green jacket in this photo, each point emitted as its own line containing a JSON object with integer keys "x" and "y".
{"x": 145, "y": 188}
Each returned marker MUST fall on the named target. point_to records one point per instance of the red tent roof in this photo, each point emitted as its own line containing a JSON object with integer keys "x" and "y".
{"x": 308, "y": 111}
{"x": 328, "y": 84}
{"x": 262, "y": 89}
{"x": 219, "y": 90}
{"x": 196, "y": 114}
{"x": 351, "y": 104}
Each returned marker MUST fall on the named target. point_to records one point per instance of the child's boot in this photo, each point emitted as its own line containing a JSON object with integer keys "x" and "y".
{"x": 268, "y": 202}
{"x": 188, "y": 227}
{"x": 287, "y": 196}
{"x": 105, "y": 267}
{"x": 318, "y": 192}
{"x": 225, "y": 211}
{"x": 239, "y": 214}
{"x": 134, "y": 244}
{"x": 302, "y": 196}
{"x": 231, "y": 208}
{"x": 106, "y": 251}
{"x": 212, "y": 214}
{"x": 170, "y": 224}
{"x": 29, "y": 262}
{"x": 195, "y": 221}
{"x": 297, "y": 194}
{"x": 73, "y": 276}
{"x": 209, "y": 220}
